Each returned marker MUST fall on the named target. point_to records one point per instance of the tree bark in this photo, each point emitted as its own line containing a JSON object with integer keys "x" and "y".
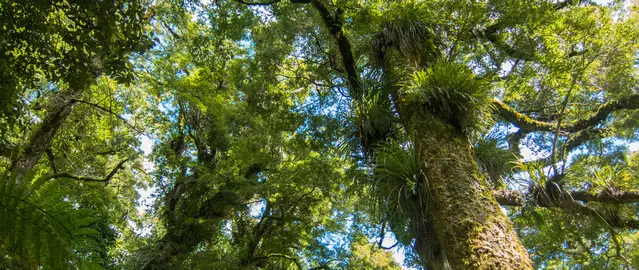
{"x": 468, "y": 222}
{"x": 59, "y": 109}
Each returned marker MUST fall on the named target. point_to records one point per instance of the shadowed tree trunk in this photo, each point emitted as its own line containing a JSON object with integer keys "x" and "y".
{"x": 59, "y": 109}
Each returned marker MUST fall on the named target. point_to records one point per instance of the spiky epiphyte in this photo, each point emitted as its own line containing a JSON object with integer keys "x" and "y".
{"x": 396, "y": 170}
{"x": 452, "y": 92}
{"x": 494, "y": 161}
{"x": 395, "y": 176}
{"x": 406, "y": 35}
{"x": 402, "y": 197}
{"x": 376, "y": 120}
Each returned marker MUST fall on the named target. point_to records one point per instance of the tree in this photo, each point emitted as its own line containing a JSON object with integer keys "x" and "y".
{"x": 421, "y": 62}
{"x": 61, "y": 212}
{"x": 66, "y": 45}
{"x": 308, "y": 134}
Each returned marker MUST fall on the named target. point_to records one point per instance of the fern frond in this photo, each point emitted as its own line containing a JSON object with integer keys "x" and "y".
{"x": 39, "y": 228}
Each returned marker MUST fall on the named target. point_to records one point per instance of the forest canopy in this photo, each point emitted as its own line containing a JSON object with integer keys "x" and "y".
{"x": 319, "y": 134}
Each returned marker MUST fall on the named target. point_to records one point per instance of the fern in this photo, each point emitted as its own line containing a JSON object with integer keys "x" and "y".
{"x": 40, "y": 227}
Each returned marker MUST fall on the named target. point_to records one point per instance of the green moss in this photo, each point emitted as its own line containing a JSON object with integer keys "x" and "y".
{"x": 478, "y": 235}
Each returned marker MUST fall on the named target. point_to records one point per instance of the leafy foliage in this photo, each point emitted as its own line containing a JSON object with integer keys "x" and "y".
{"x": 222, "y": 144}
{"x": 65, "y": 42}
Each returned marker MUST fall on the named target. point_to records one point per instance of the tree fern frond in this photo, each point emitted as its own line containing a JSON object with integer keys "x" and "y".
{"x": 39, "y": 228}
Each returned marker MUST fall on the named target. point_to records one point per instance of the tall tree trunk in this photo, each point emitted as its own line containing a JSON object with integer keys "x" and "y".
{"x": 59, "y": 109}
{"x": 470, "y": 230}
{"x": 467, "y": 220}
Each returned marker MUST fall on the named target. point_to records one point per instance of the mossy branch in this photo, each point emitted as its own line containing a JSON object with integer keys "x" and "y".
{"x": 516, "y": 198}
{"x": 522, "y": 121}
{"x": 528, "y": 124}
{"x": 629, "y": 103}
{"x": 607, "y": 197}
{"x": 334, "y": 24}
{"x": 571, "y": 202}
{"x": 91, "y": 179}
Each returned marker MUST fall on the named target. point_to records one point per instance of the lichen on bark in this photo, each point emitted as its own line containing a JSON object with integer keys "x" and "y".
{"x": 468, "y": 221}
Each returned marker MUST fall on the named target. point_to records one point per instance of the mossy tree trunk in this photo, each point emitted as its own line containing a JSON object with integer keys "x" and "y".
{"x": 470, "y": 230}
{"x": 467, "y": 221}
{"x": 60, "y": 108}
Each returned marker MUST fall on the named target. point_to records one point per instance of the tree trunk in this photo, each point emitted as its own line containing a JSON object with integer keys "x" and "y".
{"x": 59, "y": 109}
{"x": 467, "y": 220}
{"x": 470, "y": 230}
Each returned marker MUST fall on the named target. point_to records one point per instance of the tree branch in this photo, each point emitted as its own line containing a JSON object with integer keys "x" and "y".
{"x": 51, "y": 159}
{"x": 257, "y": 3}
{"x": 513, "y": 142}
{"x": 110, "y": 152}
{"x": 565, "y": 3}
{"x": 522, "y": 121}
{"x": 528, "y": 124}
{"x": 6, "y": 150}
{"x": 628, "y": 103}
{"x": 569, "y": 202}
{"x": 60, "y": 108}
{"x": 266, "y": 3}
{"x": 516, "y": 198}
{"x": 334, "y": 25}
{"x": 91, "y": 179}
{"x": 584, "y": 136}
{"x": 293, "y": 259}
{"x": 607, "y": 196}
{"x": 490, "y": 34}
{"x": 509, "y": 197}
